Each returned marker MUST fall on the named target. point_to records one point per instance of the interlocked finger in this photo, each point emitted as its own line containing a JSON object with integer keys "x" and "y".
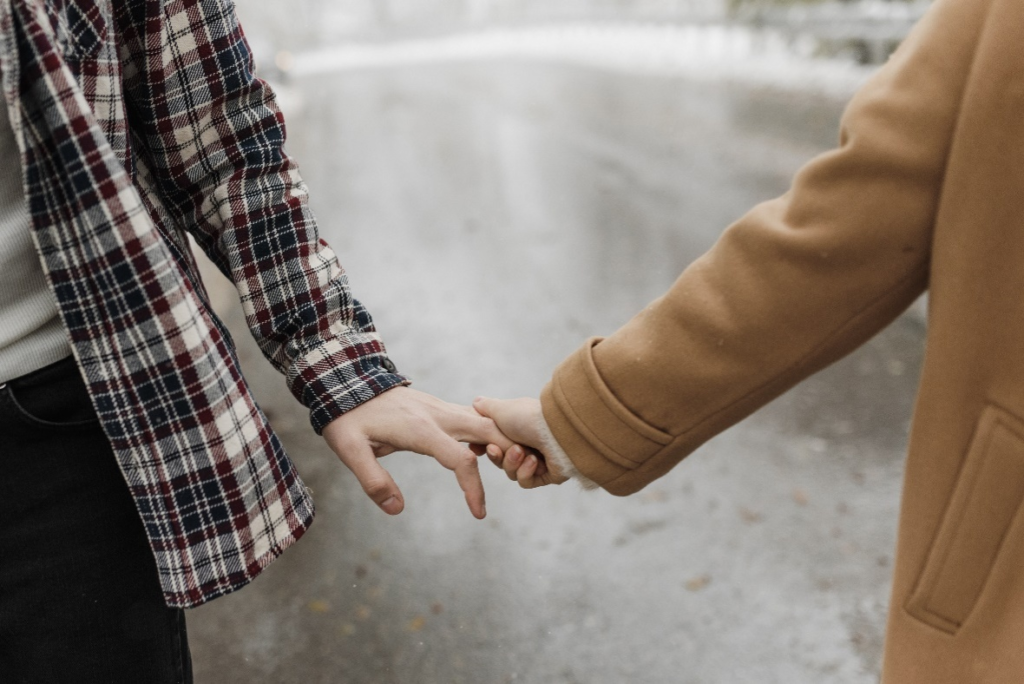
{"x": 525, "y": 474}
{"x": 466, "y": 425}
{"x": 514, "y": 458}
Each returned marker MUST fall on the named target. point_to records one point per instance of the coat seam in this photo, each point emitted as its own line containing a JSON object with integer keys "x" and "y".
{"x": 576, "y": 421}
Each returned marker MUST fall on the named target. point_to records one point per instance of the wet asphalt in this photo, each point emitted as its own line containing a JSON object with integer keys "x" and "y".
{"x": 492, "y": 216}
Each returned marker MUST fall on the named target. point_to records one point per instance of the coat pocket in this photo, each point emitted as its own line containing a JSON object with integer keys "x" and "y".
{"x": 985, "y": 502}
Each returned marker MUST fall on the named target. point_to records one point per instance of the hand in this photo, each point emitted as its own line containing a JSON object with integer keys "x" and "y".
{"x": 520, "y": 420}
{"x": 404, "y": 419}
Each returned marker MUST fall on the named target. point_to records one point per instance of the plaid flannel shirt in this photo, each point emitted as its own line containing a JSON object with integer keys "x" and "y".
{"x": 139, "y": 121}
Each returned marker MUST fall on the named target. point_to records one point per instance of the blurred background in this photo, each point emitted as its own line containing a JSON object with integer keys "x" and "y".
{"x": 503, "y": 179}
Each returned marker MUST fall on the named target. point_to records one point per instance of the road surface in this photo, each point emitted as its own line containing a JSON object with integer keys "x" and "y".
{"x": 492, "y": 216}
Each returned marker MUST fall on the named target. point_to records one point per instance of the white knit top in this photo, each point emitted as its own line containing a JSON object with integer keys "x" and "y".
{"x": 31, "y": 334}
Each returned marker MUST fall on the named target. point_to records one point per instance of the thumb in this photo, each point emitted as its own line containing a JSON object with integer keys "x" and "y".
{"x": 517, "y": 418}
{"x": 377, "y": 482}
{"x": 493, "y": 409}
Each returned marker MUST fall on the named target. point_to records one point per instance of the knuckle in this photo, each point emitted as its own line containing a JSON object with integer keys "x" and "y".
{"x": 376, "y": 486}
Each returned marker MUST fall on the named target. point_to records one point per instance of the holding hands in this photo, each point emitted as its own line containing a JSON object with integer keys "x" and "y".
{"x": 526, "y": 461}
{"x": 510, "y": 432}
{"x": 404, "y": 419}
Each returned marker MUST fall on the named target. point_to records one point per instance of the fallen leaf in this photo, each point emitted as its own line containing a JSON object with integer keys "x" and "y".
{"x": 800, "y": 497}
{"x": 416, "y": 624}
{"x": 698, "y": 583}
{"x": 749, "y": 516}
{"x": 363, "y": 612}
{"x": 437, "y": 609}
{"x": 647, "y": 526}
{"x": 318, "y": 607}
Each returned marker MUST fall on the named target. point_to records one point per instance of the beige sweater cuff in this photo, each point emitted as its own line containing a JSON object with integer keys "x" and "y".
{"x": 558, "y": 459}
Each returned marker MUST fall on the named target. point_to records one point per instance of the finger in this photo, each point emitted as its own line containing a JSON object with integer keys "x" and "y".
{"x": 516, "y": 418}
{"x": 542, "y": 469}
{"x": 378, "y": 484}
{"x": 466, "y": 425}
{"x": 494, "y": 454}
{"x": 526, "y": 472}
{"x": 468, "y": 476}
{"x": 461, "y": 460}
{"x": 490, "y": 408}
{"x": 513, "y": 459}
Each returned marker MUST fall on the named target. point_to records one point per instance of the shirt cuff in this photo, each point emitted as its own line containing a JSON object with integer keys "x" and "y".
{"x": 336, "y": 386}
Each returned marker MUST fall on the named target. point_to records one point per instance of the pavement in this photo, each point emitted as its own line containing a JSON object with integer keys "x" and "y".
{"x": 493, "y": 215}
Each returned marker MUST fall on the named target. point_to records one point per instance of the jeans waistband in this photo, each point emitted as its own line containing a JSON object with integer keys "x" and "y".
{"x": 45, "y": 375}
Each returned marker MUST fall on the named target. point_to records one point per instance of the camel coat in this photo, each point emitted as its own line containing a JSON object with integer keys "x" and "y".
{"x": 925, "y": 191}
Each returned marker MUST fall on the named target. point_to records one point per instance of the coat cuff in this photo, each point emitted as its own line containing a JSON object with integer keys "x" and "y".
{"x": 604, "y": 440}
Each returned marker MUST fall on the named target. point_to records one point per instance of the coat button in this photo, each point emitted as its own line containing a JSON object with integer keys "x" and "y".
{"x": 389, "y": 365}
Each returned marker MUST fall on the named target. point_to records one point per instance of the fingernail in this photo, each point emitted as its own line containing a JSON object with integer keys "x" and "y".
{"x": 515, "y": 454}
{"x": 493, "y": 451}
{"x": 483, "y": 512}
{"x": 391, "y": 506}
{"x": 478, "y": 400}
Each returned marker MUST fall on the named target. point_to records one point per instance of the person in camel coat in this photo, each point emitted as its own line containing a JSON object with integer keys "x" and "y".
{"x": 924, "y": 192}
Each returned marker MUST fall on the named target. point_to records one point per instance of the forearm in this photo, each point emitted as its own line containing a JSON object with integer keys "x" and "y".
{"x": 792, "y": 286}
{"x": 214, "y": 146}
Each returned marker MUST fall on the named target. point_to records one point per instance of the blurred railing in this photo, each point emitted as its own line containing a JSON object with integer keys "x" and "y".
{"x": 864, "y": 32}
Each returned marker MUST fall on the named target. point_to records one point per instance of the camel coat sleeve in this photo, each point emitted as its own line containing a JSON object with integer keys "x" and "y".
{"x": 794, "y": 285}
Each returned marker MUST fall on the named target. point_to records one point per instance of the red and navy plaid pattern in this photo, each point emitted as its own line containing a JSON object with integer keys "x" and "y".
{"x": 139, "y": 120}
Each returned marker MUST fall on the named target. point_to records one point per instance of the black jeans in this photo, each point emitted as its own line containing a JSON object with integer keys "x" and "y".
{"x": 80, "y": 599}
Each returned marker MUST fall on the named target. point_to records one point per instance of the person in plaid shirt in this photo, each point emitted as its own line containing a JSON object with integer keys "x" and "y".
{"x": 136, "y": 123}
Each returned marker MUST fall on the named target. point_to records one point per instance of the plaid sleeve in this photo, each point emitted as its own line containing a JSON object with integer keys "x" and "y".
{"x": 212, "y": 134}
